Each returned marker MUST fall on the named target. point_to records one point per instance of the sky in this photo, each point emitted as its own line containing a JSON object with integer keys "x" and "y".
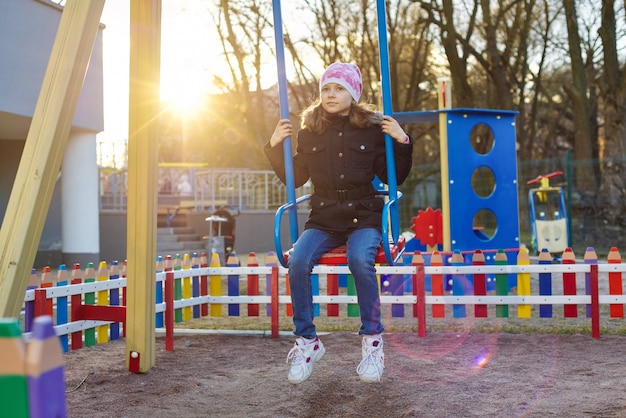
{"x": 190, "y": 57}
{"x": 115, "y": 46}
{"x": 187, "y": 64}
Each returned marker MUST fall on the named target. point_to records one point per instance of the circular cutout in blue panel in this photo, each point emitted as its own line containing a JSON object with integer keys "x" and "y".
{"x": 485, "y": 224}
{"x": 482, "y": 139}
{"x": 483, "y": 181}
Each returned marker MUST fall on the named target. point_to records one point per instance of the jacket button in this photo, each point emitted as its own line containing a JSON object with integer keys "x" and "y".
{"x": 314, "y": 148}
{"x": 340, "y": 133}
{"x": 362, "y": 147}
{"x": 341, "y": 177}
{"x": 340, "y": 154}
{"x": 321, "y": 203}
{"x": 355, "y": 220}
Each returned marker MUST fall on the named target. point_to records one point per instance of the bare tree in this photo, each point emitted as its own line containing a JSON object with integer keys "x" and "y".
{"x": 535, "y": 97}
{"x": 578, "y": 92}
{"x": 443, "y": 16}
{"x": 347, "y": 30}
{"x": 234, "y": 120}
{"x": 613, "y": 90}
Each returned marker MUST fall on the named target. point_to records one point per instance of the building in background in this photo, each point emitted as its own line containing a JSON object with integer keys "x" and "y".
{"x": 27, "y": 32}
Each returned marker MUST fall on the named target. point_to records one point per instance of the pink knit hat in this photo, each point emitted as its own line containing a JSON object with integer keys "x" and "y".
{"x": 346, "y": 75}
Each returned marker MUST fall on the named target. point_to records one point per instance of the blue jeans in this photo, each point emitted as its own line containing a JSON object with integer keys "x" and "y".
{"x": 362, "y": 246}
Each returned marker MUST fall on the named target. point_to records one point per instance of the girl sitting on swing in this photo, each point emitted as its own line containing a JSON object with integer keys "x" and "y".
{"x": 341, "y": 148}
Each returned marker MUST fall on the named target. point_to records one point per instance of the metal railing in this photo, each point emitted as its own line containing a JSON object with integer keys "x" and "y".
{"x": 246, "y": 190}
{"x": 261, "y": 190}
{"x": 238, "y": 189}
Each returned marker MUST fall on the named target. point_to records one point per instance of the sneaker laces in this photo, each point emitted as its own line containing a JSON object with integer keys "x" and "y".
{"x": 371, "y": 357}
{"x": 297, "y": 354}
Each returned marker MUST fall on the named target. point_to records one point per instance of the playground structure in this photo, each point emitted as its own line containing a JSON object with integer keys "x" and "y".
{"x": 462, "y": 230}
{"x": 548, "y": 215}
{"x": 465, "y": 210}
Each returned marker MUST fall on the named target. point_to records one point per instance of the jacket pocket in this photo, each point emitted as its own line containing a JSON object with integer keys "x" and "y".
{"x": 312, "y": 148}
{"x": 316, "y": 157}
{"x": 374, "y": 204}
{"x": 319, "y": 203}
{"x": 363, "y": 154}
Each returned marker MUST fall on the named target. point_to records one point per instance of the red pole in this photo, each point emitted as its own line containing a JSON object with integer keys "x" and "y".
{"x": 41, "y": 308}
{"x": 595, "y": 302}
{"x": 332, "y": 289}
{"x": 274, "y": 304}
{"x": 204, "y": 284}
{"x": 480, "y": 284}
{"x": 419, "y": 290}
{"x": 253, "y": 285}
{"x": 169, "y": 311}
{"x": 76, "y": 303}
{"x": 569, "y": 284}
{"x": 124, "y": 276}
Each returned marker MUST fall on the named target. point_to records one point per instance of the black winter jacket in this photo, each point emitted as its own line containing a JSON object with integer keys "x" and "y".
{"x": 341, "y": 164}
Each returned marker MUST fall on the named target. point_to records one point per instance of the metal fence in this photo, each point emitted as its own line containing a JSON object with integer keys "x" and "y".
{"x": 239, "y": 189}
{"x": 246, "y": 190}
{"x": 261, "y": 190}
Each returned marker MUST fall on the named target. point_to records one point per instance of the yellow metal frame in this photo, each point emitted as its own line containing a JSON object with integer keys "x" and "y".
{"x": 444, "y": 103}
{"x": 145, "y": 62}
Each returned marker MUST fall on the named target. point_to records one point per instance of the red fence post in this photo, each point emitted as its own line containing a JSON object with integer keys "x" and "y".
{"x": 47, "y": 280}
{"x": 419, "y": 290}
{"x": 76, "y": 302}
{"x": 253, "y": 285}
{"x": 569, "y": 284}
{"x": 41, "y": 303}
{"x": 480, "y": 284}
{"x": 169, "y": 310}
{"x": 274, "y": 304}
{"x": 204, "y": 284}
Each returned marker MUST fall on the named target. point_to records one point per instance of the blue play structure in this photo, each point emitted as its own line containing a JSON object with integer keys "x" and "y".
{"x": 500, "y": 162}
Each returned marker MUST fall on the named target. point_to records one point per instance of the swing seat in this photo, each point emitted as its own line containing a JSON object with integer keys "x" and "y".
{"x": 337, "y": 256}
{"x": 387, "y": 254}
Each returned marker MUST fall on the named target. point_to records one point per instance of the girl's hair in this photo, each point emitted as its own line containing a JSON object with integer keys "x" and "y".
{"x": 317, "y": 120}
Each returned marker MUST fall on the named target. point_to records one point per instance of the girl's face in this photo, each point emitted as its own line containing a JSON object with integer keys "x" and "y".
{"x": 336, "y": 99}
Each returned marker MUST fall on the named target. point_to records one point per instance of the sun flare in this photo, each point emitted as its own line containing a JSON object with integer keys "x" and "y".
{"x": 185, "y": 93}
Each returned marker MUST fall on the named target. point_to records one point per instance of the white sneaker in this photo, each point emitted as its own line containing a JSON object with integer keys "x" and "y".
{"x": 370, "y": 369}
{"x": 302, "y": 357}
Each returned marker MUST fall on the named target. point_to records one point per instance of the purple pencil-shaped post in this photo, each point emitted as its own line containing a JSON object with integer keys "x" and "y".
{"x": 44, "y": 370}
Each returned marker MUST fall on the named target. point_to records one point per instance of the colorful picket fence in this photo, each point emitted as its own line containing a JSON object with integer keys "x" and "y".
{"x": 89, "y": 306}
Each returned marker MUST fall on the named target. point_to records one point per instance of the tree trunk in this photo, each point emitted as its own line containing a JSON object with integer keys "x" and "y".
{"x": 612, "y": 193}
{"x": 584, "y": 178}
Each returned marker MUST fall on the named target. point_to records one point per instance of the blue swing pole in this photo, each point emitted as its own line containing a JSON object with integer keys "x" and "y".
{"x": 284, "y": 114}
{"x": 387, "y": 110}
